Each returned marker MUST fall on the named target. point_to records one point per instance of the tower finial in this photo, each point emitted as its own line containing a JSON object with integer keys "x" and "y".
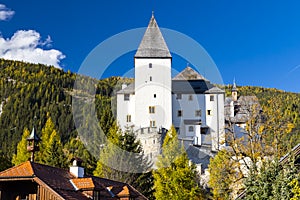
{"x": 152, "y": 13}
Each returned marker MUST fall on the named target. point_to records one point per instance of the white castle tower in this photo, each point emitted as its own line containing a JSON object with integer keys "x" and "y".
{"x": 153, "y": 103}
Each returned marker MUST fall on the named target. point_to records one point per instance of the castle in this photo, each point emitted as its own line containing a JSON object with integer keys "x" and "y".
{"x": 156, "y": 101}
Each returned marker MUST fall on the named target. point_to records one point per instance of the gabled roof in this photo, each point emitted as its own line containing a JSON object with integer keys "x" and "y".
{"x": 153, "y": 44}
{"x": 189, "y": 74}
{"x": 67, "y": 186}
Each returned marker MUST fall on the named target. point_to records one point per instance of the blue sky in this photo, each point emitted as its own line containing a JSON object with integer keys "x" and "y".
{"x": 257, "y": 42}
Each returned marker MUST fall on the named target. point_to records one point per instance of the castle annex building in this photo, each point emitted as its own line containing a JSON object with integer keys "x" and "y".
{"x": 155, "y": 100}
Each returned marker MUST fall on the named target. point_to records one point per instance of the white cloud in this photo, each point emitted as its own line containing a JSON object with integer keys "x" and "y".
{"x": 28, "y": 46}
{"x": 5, "y": 13}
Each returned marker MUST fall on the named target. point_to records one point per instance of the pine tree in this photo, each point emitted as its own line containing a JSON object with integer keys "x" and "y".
{"x": 223, "y": 174}
{"x": 53, "y": 152}
{"x": 22, "y": 154}
{"x": 122, "y": 158}
{"x": 176, "y": 176}
{"x": 75, "y": 148}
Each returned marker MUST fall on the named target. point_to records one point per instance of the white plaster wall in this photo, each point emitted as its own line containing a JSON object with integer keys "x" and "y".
{"x": 188, "y": 108}
{"x": 145, "y": 90}
{"x": 216, "y": 120}
{"x": 125, "y": 108}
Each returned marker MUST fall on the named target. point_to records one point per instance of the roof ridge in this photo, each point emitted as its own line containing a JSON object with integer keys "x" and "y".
{"x": 153, "y": 44}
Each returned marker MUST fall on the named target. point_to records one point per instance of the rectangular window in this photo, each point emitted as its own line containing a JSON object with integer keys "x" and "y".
{"x": 152, "y": 123}
{"x": 190, "y": 97}
{"x": 178, "y": 96}
{"x": 154, "y": 95}
{"x": 212, "y": 98}
{"x": 150, "y": 78}
{"x": 150, "y": 65}
{"x": 151, "y": 109}
{"x": 126, "y": 97}
{"x": 179, "y": 113}
{"x": 198, "y": 113}
{"x": 128, "y": 118}
{"x": 191, "y": 128}
{"x": 209, "y": 112}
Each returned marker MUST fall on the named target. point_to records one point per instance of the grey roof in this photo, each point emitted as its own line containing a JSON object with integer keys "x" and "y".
{"x": 190, "y": 86}
{"x": 189, "y": 74}
{"x": 198, "y": 156}
{"x": 192, "y": 121}
{"x": 243, "y": 108}
{"x": 214, "y": 90}
{"x": 153, "y": 44}
{"x": 128, "y": 90}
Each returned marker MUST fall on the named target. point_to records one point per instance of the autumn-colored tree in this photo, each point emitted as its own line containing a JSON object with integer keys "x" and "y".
{"x": 223, "y": 174}
{"x": 176, "y": 176}
{"x": 22, "y": 154}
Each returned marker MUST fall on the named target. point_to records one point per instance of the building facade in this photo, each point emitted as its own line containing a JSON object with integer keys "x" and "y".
{"x": 155, "y": 101}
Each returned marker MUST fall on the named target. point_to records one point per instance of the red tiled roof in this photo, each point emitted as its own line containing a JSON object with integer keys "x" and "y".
{"x": 83, "y": 183}
{"x": 24, "y": 169}
{"x": 67, "y": 186}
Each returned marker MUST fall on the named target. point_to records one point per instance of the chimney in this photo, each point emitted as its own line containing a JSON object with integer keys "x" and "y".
{"x": 76, "y": 168}
{"x": 124, "y": 85}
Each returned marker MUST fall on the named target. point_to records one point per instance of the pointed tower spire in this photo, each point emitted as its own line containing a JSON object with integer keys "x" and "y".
{"x": 153, "y": 44}
{"x": 234, "y": 91}
{"x": 234, "y": 86}
{"x": 33, "y": 140}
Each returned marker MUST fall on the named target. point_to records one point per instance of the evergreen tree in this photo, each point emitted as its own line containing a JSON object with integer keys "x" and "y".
{"x": 122, "y": 158}
{"x": 22, "y": 154}
{"x": 222, "y": 174}
{"x": 53, "y": 152}
{"x": 176, "y": 176}
{"x": 272, "y": 181}
{"x": 75, "y": 148}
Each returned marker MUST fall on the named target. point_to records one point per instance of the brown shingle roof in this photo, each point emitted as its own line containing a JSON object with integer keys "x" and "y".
{"x": 67, "y": 186}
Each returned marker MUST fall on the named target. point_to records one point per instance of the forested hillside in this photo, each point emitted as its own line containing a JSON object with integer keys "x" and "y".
{"x": 28, "y": 90}
{"x": 41, "y": 96}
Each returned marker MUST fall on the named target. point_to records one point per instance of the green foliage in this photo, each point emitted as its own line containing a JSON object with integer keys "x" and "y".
{"x": 22, "y": 154}
{"x": 176, "y": 177}
{"x": 272, "y": 181}
{"x": 28, "y": 90}
{"x": 53, "y": 154}
{"x": 122, "y": 157}
{"x": 75, "y": 148}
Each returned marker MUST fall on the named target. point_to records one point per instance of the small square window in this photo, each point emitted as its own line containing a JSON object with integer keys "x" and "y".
{"x": 190, "y": 97}
{"x": 152, "y": 123}
{"x": 212, "y": 98}
{"x": 128, "y": 118}
{"x": 178, "y": 96}
{"x": 179, "y": 113}
{"x": 209, "y": 112}
{"x": 126, "y": 97}
{"x": 198, "y": 113}
{"x": 191, "y": 128}
{"x": 150, "y": 65}
{"x": 151, "y": 109}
